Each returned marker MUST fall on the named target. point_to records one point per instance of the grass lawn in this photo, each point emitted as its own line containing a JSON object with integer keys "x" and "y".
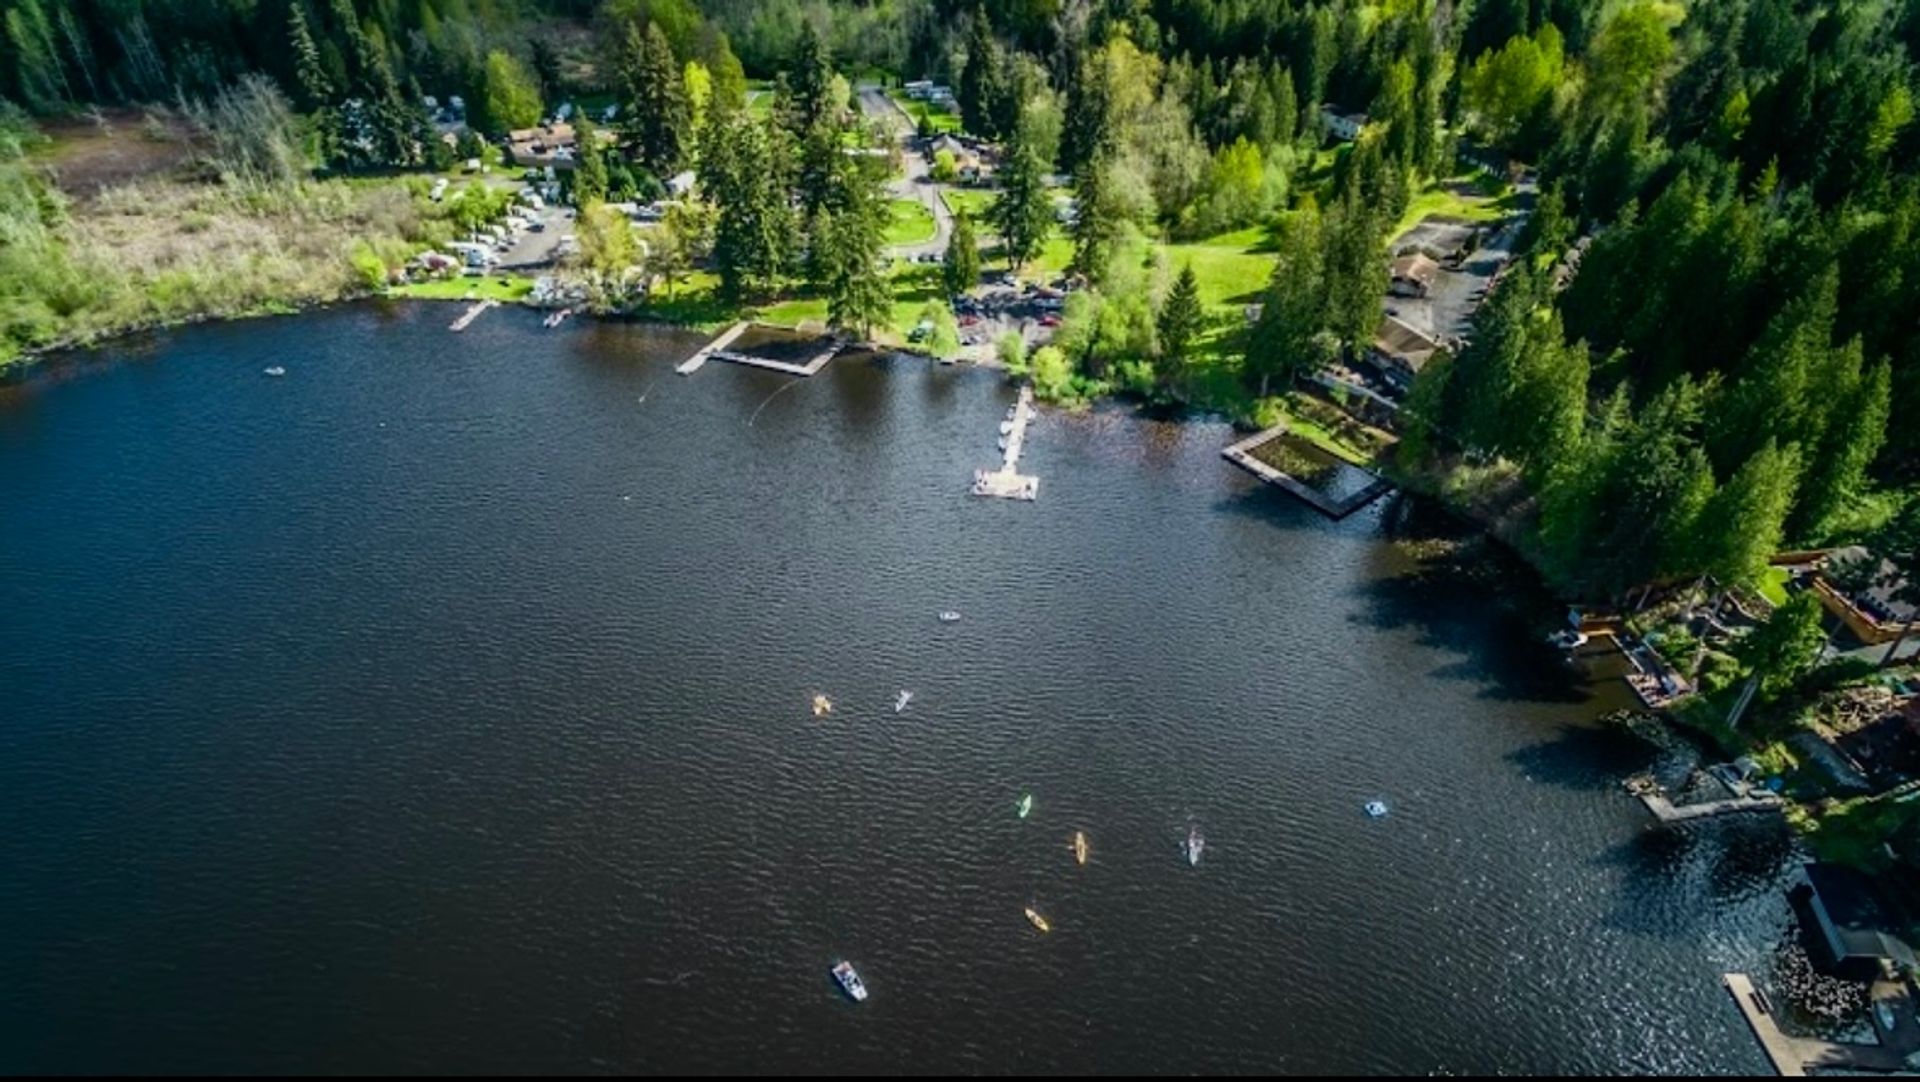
{"x": 497, "y": 287}
{"x": 944, "y": 121}
{"x": 1773, "y": 585}
{"x": 1233, "y": 268}
{"x": 908, "y": 222}
{"x": 972, "y": 201}
{"x": 1457, "y": 197}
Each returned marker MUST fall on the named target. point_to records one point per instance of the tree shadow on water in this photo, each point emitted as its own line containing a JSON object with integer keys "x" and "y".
{"x": 1584, "y": 757}
{"x": 1679, "y": 880}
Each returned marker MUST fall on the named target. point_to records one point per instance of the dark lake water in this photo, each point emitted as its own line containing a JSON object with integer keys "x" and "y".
{"x": 443, "y": 706}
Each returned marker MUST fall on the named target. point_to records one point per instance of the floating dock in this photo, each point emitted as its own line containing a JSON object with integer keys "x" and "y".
{"x": 692, "y": 364}
{"x": 717, "y": 350}
{"x": 472, "y": 313}
{"x": 1241, "y": 455}
{"x": 1007, "y": 482}
{"x": 1793, "y": 1057}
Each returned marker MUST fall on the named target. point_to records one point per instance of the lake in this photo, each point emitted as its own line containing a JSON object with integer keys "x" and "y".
{"x": 442, "y": 706}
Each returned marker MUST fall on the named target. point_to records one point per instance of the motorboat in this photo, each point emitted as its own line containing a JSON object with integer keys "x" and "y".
{"x": 276, "y": 370}
{"x": 1568, "y": 639}
{"x": 1376, "y": 809}
{"x": 850, "y": 982}
{"x": 1080, "y": 846}
{"x": 1194, "y": 845}
{"x": 900, "y": 704}
{"x": 1038, "y": 921}
{"x": 1026, "y": 805}
{"x": 949, "y": 617}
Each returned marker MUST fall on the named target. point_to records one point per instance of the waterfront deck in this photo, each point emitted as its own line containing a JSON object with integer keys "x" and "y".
{"x": 1794, "y": 1057}
{"x": 1668, "y": 812}
{"x": 1007, "y": 482}
{"x": 1241, "y": 455}
{"x": 692, "y": 364}
{"x": 717, "y": 350}
{"x": 472, "y": 313}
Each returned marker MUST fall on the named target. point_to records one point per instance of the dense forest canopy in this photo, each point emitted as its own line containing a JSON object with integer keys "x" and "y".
{"x": 1732, "y": 364}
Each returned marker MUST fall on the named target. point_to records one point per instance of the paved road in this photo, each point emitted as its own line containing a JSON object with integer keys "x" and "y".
{"x": 918, "y": 184}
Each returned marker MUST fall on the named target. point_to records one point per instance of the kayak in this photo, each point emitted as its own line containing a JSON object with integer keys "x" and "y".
{"x": 850, "y": 982}
{"x": 1026, "y": 805}
{"x": 1038, "y": 921}
{"x": 1079, "y": 847}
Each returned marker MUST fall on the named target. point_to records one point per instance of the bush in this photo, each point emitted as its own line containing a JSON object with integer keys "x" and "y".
{"x": 1052, "y": 375}
{"x": 1135, "y": 378}
{"x": 368, "y": 265}
{"x": 946, "y": 169}
{"x": 1011, "y": 348}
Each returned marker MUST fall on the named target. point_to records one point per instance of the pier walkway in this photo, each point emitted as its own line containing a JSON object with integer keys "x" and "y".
{"x": 472, "y": 313}
{"x": 1654, "y": 797}
{"x": 1007, "y": 482}
{"x": 1793, "y": 1057}
{"x": 692, "y": 364}
{"x": 1241, "y": 455}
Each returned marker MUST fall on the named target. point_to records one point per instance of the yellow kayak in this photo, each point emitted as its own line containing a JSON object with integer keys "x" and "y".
{"x": 1039, "y": 921}
{"x": 1080, "y": 847}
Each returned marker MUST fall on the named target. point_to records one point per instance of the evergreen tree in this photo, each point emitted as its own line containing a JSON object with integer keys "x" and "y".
{"x": 1180, "y": 322}
{"x": 654, "y": 109}
{"x": 1290, "y": 337}
{"x": 754, "y": 225}
{"x": 316, "y": 90}
{"x": 1097, "y": 217}
{"x": 960, "y": 267}
{"x": 1356, "y": 271}
{"x": 980, "y": 78}
{"x": 810, "y": 82}
{"x": 1785, "y": 647}
{"x": 1089, "y": 123}
{"x": 1023, "y": 214}
{"x": 1744, "y": 522}
{"x": 590, "y": 171}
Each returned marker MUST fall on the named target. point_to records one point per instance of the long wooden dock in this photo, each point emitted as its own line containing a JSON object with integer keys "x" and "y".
{"x": 1793, "y": 1057}
{"x": 1241, "y": 455}
{"x": 692, "y": 364}
{"x": 811, "y": 367}
{"x": 1667, "y": 812}
{"x": 1007, "y": 482}
{"x": 472, "y": 313}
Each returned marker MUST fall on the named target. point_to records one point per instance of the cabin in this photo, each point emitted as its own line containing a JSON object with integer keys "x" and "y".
{"x": 1875, "y": 615}
{"x": 1412, "y": 275}
{"x": 551, "y": 146}
{"x": 1399, "y": 351}
{"x": 1342, "y": 125}
{"x": 1844, "y": 925}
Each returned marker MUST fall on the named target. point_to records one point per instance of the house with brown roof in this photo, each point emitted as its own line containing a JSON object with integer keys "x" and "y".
{"x": 1413, "y": 275}
{"x": 1399, "y": 351}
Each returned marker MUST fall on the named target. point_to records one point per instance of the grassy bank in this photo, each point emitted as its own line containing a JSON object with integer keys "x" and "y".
{"x": 492, "y": 287}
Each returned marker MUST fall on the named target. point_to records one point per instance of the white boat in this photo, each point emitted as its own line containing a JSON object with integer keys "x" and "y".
{"x": 949, "y": 617}
{"x": 900, "y": 704}
{"x": 1194, "y": 845}
{"x": 276, "y": 370}
{"x": 1568, "y": 639}
{"x": 1376, "y": 809}
{"x": 850, "y": 982}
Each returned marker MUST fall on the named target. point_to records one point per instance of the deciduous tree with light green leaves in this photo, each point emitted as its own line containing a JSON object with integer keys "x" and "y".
{"x": 512, "y": 98}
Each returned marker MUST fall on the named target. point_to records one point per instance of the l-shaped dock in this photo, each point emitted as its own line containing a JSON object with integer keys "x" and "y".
{"x": 717, "y": 350}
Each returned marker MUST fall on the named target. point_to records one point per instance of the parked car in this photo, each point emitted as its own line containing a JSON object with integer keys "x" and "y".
{"x": 1049, "y": 321}
{"x": 969, "y": 320}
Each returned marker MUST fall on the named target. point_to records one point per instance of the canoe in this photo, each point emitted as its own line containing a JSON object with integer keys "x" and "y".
{"x": 1080, "y": 847}
{"x": 1038, "y": 921}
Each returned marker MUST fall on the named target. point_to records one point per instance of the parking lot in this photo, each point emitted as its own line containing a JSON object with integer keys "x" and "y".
{"x": 1031, "y": 310}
